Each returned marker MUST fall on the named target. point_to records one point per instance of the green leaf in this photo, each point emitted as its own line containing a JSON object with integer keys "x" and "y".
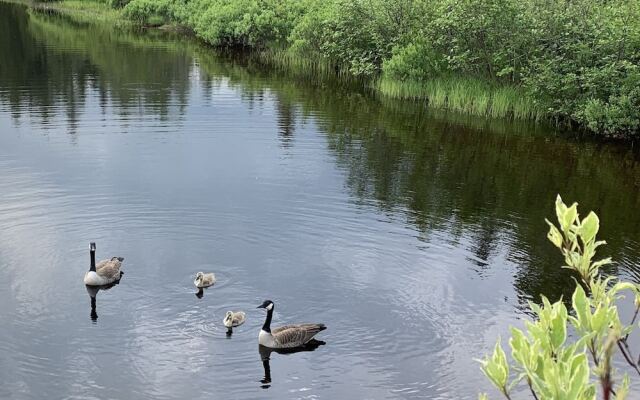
{"x": 623, "y": 389}
{"x": 569, "y": 217}
{"x": 579, "y": 376}
{"x": 559, "y": 328}
{"x": 582, "y": 308}
{"x": 496, "y": 367}
{"x": 554, "y": 235}
{"x": 561, "y": 209}
{"x": 589, "y": 227}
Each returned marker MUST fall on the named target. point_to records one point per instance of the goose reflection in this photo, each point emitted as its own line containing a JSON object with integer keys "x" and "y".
{"x": 93, "y": 292}
{"x": 265, "y": 356}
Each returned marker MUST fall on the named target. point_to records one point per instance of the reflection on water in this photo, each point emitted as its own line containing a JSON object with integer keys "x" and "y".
{"x": 93, "y": 292}
{"x": 265, "y": 357}
{"x": 419, "y": 235}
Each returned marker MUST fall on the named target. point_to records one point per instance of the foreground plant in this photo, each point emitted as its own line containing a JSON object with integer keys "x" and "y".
{"x": 545, "y": 359}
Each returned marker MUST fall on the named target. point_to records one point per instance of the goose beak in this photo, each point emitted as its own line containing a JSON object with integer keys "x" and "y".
{"x": 261, "y": 306}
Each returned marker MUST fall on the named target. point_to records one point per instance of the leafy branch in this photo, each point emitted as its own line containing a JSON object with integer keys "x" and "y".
{"x": 543, "y": 357}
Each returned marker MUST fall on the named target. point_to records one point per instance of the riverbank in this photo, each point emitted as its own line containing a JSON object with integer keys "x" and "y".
{"x": 82, "y": 11}
{"x": 492, "y": 67}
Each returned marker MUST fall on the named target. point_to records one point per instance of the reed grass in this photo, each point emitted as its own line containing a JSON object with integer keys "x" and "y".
{"x": 312, "y": 67}
{"x": 466, "y": 95}
{"x": 81, "y": 11}
{"x": 461, "y": 94}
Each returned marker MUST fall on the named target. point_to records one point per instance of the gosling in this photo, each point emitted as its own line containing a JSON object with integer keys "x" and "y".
{"x": 204, "y": 280}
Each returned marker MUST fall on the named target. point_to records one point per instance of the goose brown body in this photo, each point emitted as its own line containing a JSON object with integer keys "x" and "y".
{"x": 104, "y": 272}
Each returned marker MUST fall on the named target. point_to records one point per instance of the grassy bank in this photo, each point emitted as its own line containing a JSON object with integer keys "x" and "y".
{"x": 467, "y": 95}
{"x": 83, "y": 11}
{"x": 571, "y": 61}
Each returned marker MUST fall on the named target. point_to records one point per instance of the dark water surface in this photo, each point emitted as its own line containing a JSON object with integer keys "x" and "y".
{"x": 416, "y": 236}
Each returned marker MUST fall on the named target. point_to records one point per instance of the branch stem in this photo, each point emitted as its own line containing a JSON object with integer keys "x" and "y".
{"x": 627, "y": 356}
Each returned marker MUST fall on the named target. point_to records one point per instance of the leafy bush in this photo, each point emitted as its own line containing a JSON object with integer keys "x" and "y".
{"x": 573, "y": 60}
{"x": 415, "y": 61}
{"x": 358, "y": 35}
{"x": 545, "y": 358}
{"x": 146, "y": 11}
{"x": 118, "y": 3}
{"x": 254, "y": 23}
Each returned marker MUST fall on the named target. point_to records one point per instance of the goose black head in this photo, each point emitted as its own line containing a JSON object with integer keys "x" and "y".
{"x": 93, "y": 247}
{"x": 267, "y": 304}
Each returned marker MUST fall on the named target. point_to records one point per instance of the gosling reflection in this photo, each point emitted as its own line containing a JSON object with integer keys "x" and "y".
{"x": 93, "y": 292}
{"x": 200, "y": 293}
{"x": 265, "y": 356}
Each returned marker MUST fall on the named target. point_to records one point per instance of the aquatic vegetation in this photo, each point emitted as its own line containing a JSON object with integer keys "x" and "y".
{"x": 550, "y": 362}
{"x": 467, "y": 95}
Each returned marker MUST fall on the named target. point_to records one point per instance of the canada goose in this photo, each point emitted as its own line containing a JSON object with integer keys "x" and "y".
{"x": 204, "y": 280}
{"x": 106, "y": 272}
{"x": 233, "y": 319}
{"x": 288, "y": 336}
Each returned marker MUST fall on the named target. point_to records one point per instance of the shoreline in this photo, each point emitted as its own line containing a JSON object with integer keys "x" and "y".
{"x": 461, "y": 94}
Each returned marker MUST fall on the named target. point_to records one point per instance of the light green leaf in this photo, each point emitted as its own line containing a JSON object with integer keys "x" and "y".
{"x": 561, "y": 209}
{"x": 623, "y": 389}
{"x": 554, "y": 235}
{"x": 589, "y": 227}
{"x": 559, "y": 327}
{"x": 579, "y": 376}
{"x": 569, "y": 217}
{"x": 496, "y": 367}
{"x": 582, "y": 308}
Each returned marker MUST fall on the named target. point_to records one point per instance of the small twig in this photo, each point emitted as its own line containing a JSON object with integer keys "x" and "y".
{"x": 627, "y": 356}
{"x": 531, "y": 388}
{"x": 635, "y": 314}
{"x": 593, "y": 352}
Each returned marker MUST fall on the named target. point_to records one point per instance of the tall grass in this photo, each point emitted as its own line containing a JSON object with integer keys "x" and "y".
{"x": 83, "y": 11}
{"x": 466, "y": 95}
{"x": 461, "y": 94}
{"x": 311, "y": 66}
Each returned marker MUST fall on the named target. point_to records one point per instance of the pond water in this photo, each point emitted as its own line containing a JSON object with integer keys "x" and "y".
{"x": 415, "y": 235}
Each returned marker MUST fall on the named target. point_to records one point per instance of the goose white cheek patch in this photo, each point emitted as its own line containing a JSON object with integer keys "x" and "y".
{"x": 269, "y": 307}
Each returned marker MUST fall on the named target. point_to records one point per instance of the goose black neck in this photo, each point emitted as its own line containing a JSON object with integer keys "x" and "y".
{"x": 267, "y": 322}
{"x": 93, "y": 261}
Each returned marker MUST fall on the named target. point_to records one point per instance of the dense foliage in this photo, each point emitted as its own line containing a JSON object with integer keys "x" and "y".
{"x": 575, "y": 61}
{"x": 552, "y": 363}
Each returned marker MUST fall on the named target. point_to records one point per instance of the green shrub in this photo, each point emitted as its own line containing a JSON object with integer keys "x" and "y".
{"x": 545, "y": 358}
{"x": 415, "y": 61}
{"x": 254, "y": 23}
{"x": 118, "y": 3}
{"x": 358, "y": 35}
{"x": 574, "y": 60}
{"x": 149, "y": 12}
